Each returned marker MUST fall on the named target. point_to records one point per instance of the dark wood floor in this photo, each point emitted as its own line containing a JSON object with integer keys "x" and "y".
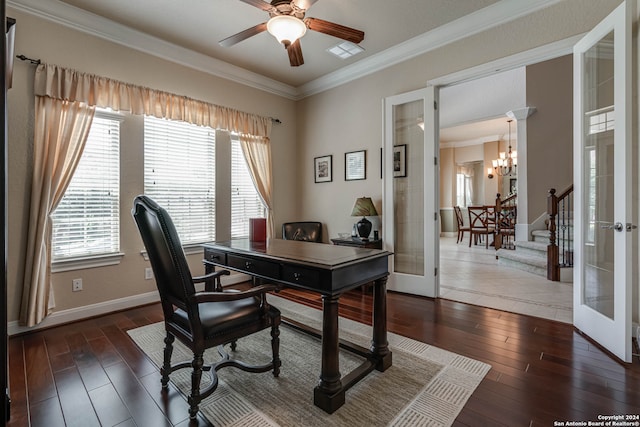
{"x": 90, "y": 372}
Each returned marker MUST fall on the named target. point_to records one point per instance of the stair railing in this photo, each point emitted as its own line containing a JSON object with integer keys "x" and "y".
{"x": 560, "y": 248}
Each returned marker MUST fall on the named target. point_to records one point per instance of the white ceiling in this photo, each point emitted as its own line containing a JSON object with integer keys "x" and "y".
{"x": 187, "y": 29}
{"x": 199, "y": 24}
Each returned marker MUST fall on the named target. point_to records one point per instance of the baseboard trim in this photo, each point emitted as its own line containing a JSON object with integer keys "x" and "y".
{"x": 92, "y": 310}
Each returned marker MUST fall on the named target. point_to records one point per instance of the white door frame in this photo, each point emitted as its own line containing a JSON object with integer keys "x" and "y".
{"x": 427, "y": 284}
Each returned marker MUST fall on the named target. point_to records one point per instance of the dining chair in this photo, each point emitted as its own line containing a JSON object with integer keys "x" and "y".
{"x": 460, "y": 220}
{"x": 479, "y": 224}
{"x": 506, "y": 227}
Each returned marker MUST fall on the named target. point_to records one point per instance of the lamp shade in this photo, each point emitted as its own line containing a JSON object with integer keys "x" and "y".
{"x": 364, "y": 207}
{"x": 286, "y": 29}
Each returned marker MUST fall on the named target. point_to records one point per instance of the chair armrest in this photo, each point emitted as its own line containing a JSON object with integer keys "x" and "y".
{"x": 211, "y": 280}
{"x": 200, "y": 297}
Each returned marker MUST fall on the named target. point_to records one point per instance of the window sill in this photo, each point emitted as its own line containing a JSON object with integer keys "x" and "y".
{"x": 83, "y": 263}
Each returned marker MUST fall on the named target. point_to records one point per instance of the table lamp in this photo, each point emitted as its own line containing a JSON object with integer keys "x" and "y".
{"x": 364, "y": 207}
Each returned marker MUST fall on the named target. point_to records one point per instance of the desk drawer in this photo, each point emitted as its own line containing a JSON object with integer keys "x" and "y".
{"x": 302, "y": 276}
{"x": 217, "y": 257}
{"x": 254, "y": 266}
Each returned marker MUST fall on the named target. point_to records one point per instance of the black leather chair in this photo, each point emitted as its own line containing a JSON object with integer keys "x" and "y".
{"x": 307, "y": 231}
{"x": 201, "y": 320}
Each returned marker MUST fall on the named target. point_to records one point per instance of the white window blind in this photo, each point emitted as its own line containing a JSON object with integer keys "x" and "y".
{"x": 179, "y": 174}
{"x": 245, "y": 200}
{"x": 87, "y": 220}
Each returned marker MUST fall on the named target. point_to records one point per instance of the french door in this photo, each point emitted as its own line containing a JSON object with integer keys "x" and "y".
{"x": 602, "y": 182}
{"x": 410, "y": 191}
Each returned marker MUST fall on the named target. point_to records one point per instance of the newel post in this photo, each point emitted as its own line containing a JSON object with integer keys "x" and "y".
{"x": 553, "y": 268}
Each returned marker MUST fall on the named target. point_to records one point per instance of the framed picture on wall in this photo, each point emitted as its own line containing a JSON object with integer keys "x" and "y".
{"x": 323, "y": 168}
{"x": 400, "y": 161}
{"x": 355, "y": 165}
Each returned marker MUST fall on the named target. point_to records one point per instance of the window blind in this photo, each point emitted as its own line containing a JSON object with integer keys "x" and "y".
{"x": 87, "y": 220}
{"x": 179, "y": 174}
{"x": 245, "y": 200}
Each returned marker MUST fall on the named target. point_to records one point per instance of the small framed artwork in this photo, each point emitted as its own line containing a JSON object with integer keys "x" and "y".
{"x": 355, "y": 165}
{"x": 513, "y": 185}
{"x": 400, "y": 161}
{"x": 323, "y": 168}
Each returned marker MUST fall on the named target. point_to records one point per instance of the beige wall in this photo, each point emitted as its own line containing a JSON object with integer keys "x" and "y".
{"x": 349, "y": 117}
{"x": 56, "y": 44}
{"x": 549, "y": 131}
{"x": 346, "y": 118}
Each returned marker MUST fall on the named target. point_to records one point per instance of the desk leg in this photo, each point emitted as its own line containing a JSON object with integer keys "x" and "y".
{"x": 379, "y": 344}
{"x": 329, "y": 394}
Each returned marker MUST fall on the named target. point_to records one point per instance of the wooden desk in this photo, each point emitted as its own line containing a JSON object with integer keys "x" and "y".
{"x": 329, "y": 270}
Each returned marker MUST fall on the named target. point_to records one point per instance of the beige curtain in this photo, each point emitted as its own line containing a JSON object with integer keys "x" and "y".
{"x": 257, "y": 151}
{"x": 65, "y": 104}
{"x": 60, "y": 133}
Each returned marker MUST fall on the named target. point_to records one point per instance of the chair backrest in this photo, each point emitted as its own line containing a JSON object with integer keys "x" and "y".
{"x": 459, "y": 217}
{"x": 307, "y": 231}
{"x": 506, "y": 218}
{"x": 477, "y": 217}
{"x": 169, "y": 264}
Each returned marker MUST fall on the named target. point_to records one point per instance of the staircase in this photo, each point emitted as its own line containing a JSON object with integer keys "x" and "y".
{"x": 528, "y": 256}
{"x": 533, "y": 256}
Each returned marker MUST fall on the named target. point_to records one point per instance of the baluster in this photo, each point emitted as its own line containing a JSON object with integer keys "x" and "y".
{"x": 553, "y": 270}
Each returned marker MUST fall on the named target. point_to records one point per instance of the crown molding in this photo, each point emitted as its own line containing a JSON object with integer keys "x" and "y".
{"x": 481, "y": 20}
{"x": 89, "y": 23}
{"x": 80, "y": 20}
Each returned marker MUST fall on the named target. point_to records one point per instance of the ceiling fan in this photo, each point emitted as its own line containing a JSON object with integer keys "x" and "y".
{"x": 288, "y": 24}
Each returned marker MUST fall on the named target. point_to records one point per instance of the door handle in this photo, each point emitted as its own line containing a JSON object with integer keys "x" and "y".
{"x": 617, "y": 226}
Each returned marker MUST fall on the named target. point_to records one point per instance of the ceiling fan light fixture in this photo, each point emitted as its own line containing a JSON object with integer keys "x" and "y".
{"x": 286, "y": 29}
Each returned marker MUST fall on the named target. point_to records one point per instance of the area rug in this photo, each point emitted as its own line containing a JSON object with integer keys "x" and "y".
{"x": 426, "y": 386}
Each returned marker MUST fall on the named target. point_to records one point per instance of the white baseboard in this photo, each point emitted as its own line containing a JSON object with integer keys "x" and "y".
{"x": 92, "y": 310}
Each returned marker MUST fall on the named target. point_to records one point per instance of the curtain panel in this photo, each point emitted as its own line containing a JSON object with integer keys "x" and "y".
{"x": 60, "y": 132}
{"x": 65, "y": 104}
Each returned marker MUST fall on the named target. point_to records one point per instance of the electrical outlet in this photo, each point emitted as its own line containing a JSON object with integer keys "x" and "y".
{"x": 148, "y": 273}
{"x": 76, "y": 285}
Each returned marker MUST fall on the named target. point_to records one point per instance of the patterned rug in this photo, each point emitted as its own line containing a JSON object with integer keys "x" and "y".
{"x": 426, "y": 386}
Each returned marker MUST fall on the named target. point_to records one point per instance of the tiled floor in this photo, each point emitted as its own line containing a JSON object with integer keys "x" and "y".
{"x": 472, "y": 275}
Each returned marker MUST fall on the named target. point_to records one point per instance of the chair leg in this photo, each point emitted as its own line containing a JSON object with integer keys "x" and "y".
{"x": 196, "y": 376}
{"x": 166, "y": 365}
{"x": 275, "y": 348}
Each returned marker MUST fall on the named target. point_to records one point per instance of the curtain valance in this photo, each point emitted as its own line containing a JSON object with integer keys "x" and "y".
{"x": 70, "y": 85}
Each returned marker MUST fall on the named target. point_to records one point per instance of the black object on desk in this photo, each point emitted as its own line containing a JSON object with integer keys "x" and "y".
{"x": 358, "y": 242}
{"x": 329, "y": 270}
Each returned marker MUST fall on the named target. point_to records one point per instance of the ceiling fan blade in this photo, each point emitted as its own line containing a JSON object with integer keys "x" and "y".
{"x": 259, "y": 4}
{"x": 295, "y": 54}
{"x": 336, "y": 30}
{"x": 243, "y": 35}
{"x": 304, "y": 4}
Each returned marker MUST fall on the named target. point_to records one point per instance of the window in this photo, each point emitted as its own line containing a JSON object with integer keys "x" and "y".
{"x": 87, "y": 220}
{"x": 245, "y": 200}
{"x": 179, "y": 174}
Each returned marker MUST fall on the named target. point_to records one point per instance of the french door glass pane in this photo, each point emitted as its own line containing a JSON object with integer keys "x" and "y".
{"x": 597, "y": 177}
{"x": 408, "y": 188}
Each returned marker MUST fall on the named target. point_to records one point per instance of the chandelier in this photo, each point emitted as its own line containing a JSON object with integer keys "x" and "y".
{"x": 507, "y": 164}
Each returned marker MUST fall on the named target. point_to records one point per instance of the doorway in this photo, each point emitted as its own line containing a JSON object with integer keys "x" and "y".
{"x": 473, "y": 274}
